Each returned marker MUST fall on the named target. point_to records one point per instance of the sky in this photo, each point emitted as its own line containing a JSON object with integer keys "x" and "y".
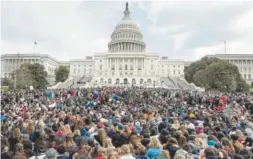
{"x": 178, "y": 29}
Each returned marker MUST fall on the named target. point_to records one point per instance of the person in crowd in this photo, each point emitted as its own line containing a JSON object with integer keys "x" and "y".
{"x": 155, "y": 148}
{"x": 125, "y": 123}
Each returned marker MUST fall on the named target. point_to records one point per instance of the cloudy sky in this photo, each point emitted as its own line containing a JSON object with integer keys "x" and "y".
{"x": 177, "y": 29}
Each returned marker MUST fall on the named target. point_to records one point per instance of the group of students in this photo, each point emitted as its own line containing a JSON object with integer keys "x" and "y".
{"x": 126, "y": 123}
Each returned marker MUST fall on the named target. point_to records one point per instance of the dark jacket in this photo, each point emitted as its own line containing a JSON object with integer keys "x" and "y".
{"x": 118, "y": 139}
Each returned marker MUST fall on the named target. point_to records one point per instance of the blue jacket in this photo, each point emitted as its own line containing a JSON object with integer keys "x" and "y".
{"x": 153, "y": 152}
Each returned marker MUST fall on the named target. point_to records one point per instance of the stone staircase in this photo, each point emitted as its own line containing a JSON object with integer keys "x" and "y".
{"x": 182, "y": 83}
{"x": 168, "y": 83}
{"x": 81, "y": 82}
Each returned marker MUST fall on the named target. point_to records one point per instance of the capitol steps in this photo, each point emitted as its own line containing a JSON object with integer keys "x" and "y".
{"x": 182, "y": 83}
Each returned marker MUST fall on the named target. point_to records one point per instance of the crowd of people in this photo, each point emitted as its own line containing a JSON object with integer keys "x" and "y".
{"x": 126, "y": 123}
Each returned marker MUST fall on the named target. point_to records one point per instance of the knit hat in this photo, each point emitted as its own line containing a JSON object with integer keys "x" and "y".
{"x": 59, "y": 134}
{"x": 83, "y": 131}
{"x": 191, "y": 126}
{"x": 119, "y": 127}
{"x": 211, "y": 143}
{"x": 73, "y": 118}
{"x": 137, "y": 123}
{"x": 100, "y": 124}
{"x": 51, "y": 153}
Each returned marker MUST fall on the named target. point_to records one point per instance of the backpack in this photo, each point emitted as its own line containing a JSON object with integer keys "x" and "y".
{"x": 182, "y": 154}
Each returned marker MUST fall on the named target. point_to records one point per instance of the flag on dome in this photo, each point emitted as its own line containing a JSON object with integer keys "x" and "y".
{"x": 35, "y": 43}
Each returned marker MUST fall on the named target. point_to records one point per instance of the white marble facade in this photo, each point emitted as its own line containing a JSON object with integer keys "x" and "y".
{"x": 11, "y": 62}
{"x": 127, "y": 62}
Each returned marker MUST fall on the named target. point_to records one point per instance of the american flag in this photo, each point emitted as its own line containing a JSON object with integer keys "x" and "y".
{"x": 35, "y": 43}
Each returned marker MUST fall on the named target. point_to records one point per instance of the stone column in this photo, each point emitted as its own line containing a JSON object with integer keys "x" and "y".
{"x": 136, "y": 65}
{"x": 107, "y": 70}
{"x": 117, "y": 65}
{"x": 143, "y": 66}
{"x": 110, "y": 64}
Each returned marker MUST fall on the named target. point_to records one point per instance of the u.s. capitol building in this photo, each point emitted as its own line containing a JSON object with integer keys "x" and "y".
{"x": 125, "y": 63}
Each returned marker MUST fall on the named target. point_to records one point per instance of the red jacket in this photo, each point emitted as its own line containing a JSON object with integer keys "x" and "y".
{"x": 99, "y": 157}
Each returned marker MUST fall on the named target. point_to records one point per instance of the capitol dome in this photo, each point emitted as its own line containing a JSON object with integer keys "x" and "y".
{"x": 126, "y": 36}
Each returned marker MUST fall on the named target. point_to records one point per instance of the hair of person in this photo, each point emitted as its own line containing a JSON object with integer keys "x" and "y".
{"x": 154, "y": 142}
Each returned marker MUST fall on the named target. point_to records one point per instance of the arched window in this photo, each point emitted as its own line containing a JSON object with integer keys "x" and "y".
{"x": 125, "y": 81}
{"x": 125, "y": 67}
